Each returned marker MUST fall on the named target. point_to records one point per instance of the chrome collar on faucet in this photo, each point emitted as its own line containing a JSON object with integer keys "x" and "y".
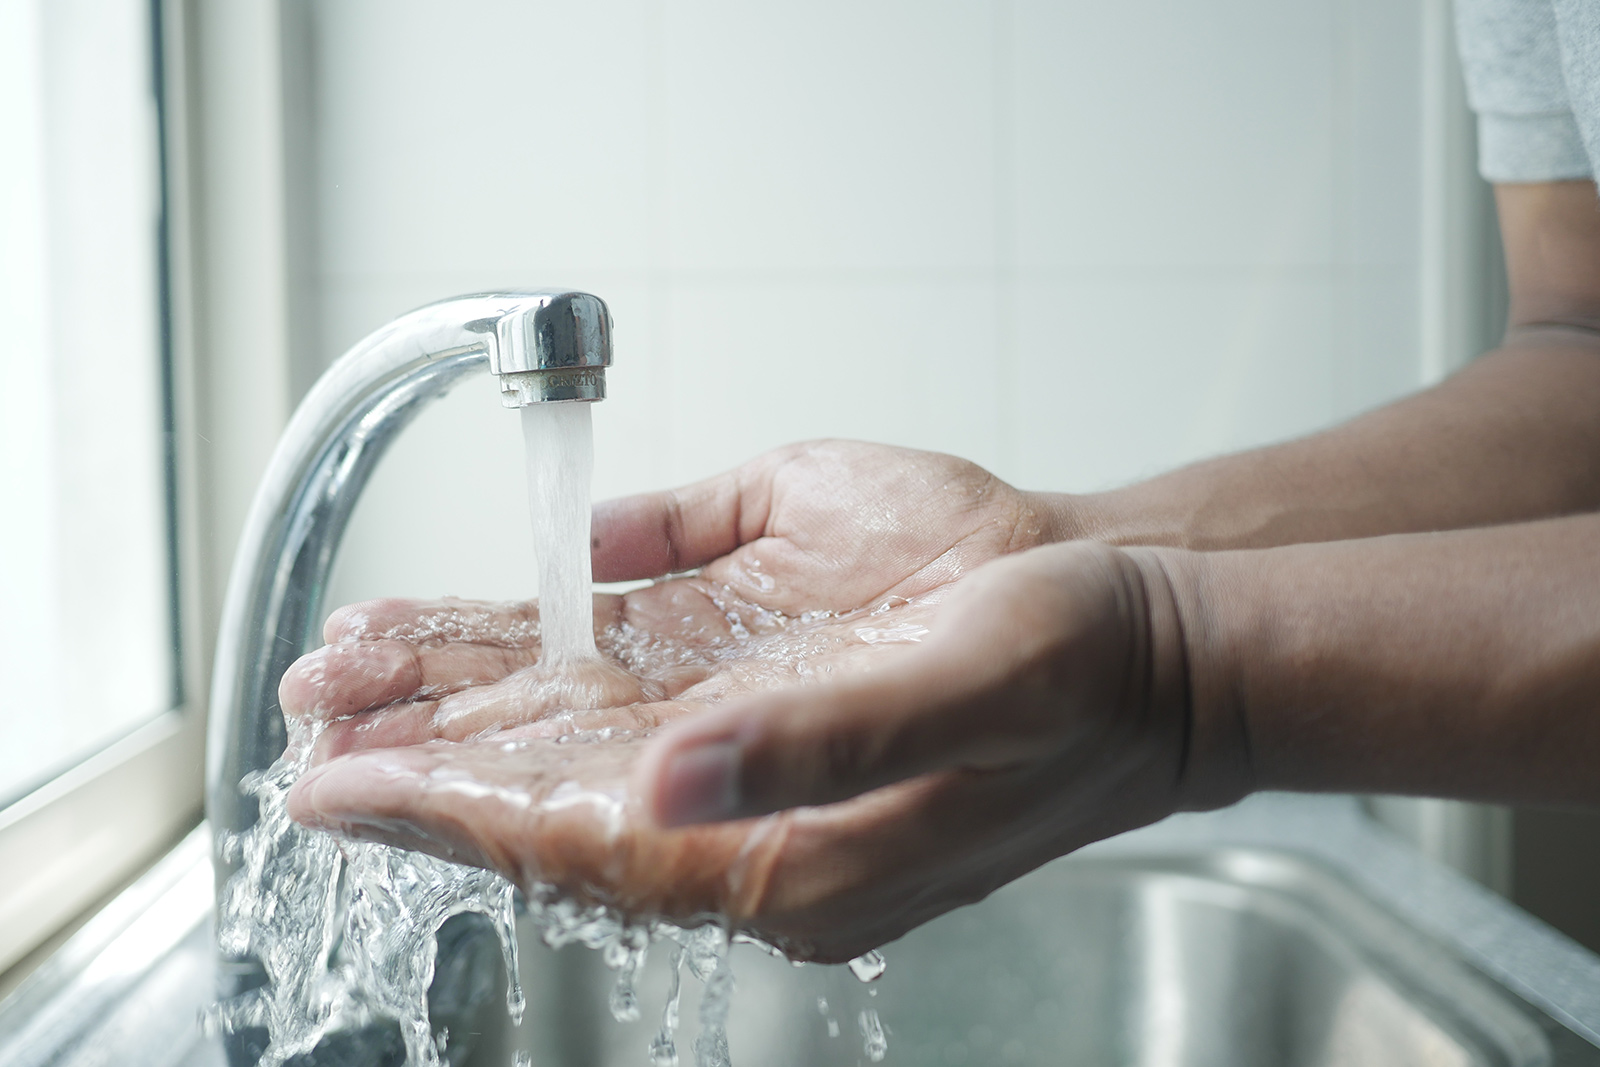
{"x": 555, "y": 350}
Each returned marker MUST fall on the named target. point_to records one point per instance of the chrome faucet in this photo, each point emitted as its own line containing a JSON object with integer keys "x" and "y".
{"x": 546, "y": 347}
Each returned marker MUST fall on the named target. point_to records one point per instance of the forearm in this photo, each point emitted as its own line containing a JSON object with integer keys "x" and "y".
{"x": 1515, "y": 436}
{"x": 1461, "y": 664}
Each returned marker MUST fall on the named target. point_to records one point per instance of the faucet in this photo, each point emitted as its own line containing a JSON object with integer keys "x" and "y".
{"x": 544, "y": 346}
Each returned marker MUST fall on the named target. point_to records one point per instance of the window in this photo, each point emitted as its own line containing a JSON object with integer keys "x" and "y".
{"x": 89, "y": 645}
{"x": 86, "y": 640}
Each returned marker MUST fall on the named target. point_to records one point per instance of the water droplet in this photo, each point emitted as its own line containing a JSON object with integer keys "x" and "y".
{"x": 663, "y": 1052}
{"x": 624, "y": 1000}
{"x": 870, "y": 966}
{"x": 874, "y": 1041}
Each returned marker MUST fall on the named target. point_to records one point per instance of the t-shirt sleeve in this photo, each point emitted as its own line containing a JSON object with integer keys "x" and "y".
{"x": 1511, "y": 53}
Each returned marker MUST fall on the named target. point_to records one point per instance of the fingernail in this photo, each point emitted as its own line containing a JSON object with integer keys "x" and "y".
{"x": 699, "y": 784}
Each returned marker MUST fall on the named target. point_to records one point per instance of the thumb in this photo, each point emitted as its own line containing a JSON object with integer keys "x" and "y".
{"x": 1023, "y": 647}
{"x": 653, "y": 534}
{"x": 809, "y": 745}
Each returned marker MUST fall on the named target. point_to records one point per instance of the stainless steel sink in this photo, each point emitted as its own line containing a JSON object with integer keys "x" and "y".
{"x": 1236, "y": 958}
{"x": 1181, "y": 946}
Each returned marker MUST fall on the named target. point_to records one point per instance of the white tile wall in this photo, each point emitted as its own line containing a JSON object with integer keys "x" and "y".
{"x": 503, "y": 137}
{"x": 830, "y": 136}
{"x": 1164, "y": 134}
{"x": 1125, "y": 373}
{"x": 902, "y": 360}
{"x": 1078, "y": 242}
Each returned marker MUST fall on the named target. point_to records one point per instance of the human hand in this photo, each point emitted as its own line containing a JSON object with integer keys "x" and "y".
{"x": 1035, "y": 714}
{"x": 823, "y": 528}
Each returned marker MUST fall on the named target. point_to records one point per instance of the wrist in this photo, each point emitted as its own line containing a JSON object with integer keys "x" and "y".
{"x": 1084, "y": 517}
{"x": 1059, "y": 515}
{"x": 1122, "y": 517}
{"x": 1195, "y": 667}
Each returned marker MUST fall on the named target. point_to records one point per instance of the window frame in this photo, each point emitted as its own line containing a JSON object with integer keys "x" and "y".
{"x": 219, "y": 83}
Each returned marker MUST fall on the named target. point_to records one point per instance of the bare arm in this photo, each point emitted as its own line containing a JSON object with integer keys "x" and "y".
{"x": 1463, "y": 664}
{"x": 1515, "y": 436}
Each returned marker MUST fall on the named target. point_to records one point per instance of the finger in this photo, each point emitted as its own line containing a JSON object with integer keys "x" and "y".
{"x": 396, "y": 726}
{"x": 653, "y": 534}
{"x": 539, "y": 693}
{"x": 509, "y": 624}
{"x": 385, "y": 796}
{"x": 604, "y": 724}
{"x": 808, "y": 745}
{"x": 601, "y": 701}
{"x": 536, "y": 811}
{"x": 824, "y": 886}
{"x": 340, "y": 680}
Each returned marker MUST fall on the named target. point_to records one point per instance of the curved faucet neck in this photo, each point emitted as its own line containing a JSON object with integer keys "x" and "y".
{"x": 546, "y": 346}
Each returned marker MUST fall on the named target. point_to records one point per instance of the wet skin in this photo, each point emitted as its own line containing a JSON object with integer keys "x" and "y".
{"x": 446, "y": 732}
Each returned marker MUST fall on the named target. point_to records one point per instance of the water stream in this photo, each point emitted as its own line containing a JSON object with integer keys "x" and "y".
{"x": 348, "y": 931}
{"x": 559, "y": 440}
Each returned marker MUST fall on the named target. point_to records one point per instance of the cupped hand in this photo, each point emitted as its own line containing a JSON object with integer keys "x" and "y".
{"x": 873, "y": 716}
{"x": 829, "y": 528}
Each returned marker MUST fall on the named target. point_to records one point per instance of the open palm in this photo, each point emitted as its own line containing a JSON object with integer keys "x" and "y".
{"x": 828, "y": 569}
{"x": 794, "y": 551}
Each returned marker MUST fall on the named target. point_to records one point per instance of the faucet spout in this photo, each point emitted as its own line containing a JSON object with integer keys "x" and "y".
{"x": 555, "y": 348}
{"x": 546, "y": 346}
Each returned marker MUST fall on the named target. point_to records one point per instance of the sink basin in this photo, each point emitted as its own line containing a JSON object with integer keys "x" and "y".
{"x": 1232, "y": 959}
{"x": 1166, "y": 948}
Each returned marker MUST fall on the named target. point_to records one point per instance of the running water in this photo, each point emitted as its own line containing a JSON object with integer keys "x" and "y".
{"x": 559, "y": 439}
{"x": 347, "y": 931}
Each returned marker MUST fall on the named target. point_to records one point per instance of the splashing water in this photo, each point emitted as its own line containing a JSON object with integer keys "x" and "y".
{"x": 874, "y": 1039}
{"x": 348, "y": 932}
{"x": 663, "y": 1047}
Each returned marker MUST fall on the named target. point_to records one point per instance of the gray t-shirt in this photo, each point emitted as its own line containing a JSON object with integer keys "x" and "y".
{"x": 1533, "y": 77}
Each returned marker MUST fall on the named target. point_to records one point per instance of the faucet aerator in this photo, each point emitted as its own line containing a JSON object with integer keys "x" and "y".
{"x": 520, "y": 389}
{"x": 554, "y": 348}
